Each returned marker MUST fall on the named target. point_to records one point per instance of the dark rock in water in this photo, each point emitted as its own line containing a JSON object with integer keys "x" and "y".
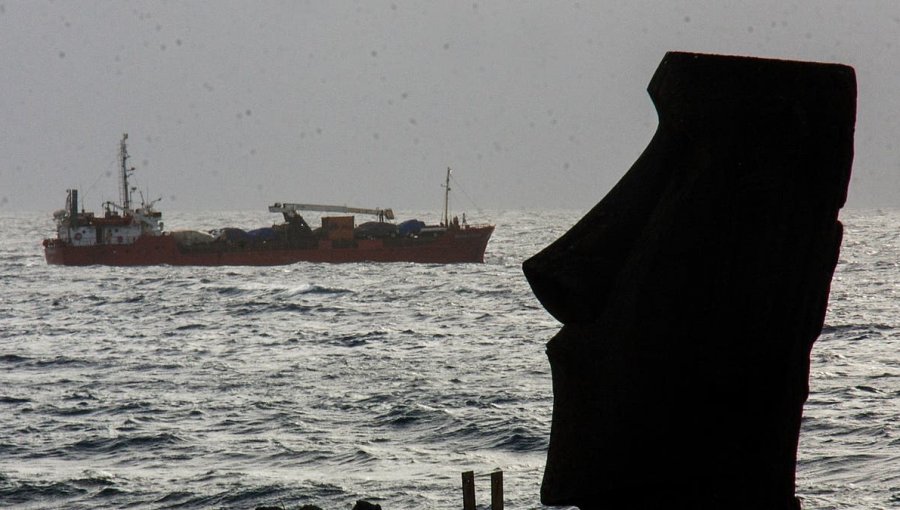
{"x": 309, "y": 507}
{"x": 365, "y": 505}
{"x": 692, "y": 293}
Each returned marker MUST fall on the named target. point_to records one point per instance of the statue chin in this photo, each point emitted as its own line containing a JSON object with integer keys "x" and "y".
{"x": 692, "y": 293}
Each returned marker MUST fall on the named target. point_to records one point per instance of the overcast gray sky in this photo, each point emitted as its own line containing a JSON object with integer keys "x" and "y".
{"x": 237, "y": 104}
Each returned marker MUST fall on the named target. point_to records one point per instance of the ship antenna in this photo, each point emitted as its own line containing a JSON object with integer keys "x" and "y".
{"x": 447, "y": 199}
{"x": 123, "y": 155}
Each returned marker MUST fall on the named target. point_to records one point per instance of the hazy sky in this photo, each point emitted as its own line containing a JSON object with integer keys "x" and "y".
{"x": 237, "y": 104}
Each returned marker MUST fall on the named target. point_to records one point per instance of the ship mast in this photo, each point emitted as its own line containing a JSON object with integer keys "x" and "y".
{"x": 447, "y": 199}
{"x": 124, "y": 194}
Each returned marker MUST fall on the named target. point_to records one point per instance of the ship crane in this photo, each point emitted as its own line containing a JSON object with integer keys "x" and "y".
{"x": 288, "y": 209}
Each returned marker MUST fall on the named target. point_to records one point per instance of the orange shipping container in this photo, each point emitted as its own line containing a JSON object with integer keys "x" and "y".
{"x": 338, "y": 227}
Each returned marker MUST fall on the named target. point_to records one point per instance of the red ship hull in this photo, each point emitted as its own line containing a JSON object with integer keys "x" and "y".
{"x": 453, "y": 246}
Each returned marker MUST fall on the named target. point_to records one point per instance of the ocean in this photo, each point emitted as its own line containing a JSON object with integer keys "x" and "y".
{"x": 238, "y": 387}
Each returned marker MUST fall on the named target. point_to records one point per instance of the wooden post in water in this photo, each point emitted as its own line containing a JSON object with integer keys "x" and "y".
{"x": 497, "y": 490}
{"x": 468, "y": 487}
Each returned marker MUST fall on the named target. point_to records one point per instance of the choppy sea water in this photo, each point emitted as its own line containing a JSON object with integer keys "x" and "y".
{"x": 233, "y": 387}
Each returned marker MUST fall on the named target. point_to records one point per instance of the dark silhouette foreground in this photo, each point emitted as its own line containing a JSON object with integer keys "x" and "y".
{"x": 692, "y": 293}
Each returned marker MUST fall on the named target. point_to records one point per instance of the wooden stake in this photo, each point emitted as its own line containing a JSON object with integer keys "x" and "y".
{"x": 468, "y": 487}
{"x": 497, "y": 490}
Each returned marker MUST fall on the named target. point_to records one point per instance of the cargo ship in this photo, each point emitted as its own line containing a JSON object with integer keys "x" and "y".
{"x": 128, "y": 235}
